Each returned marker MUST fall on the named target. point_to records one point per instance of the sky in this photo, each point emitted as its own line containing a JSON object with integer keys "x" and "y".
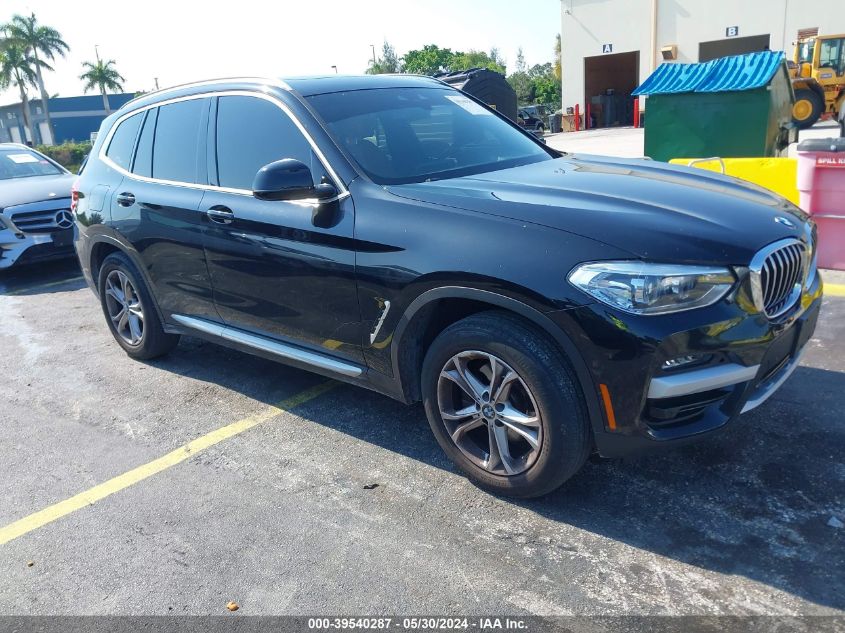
{"x": 179, "y": 41}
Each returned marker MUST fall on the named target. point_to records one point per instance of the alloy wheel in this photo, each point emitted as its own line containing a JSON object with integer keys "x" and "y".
{"x": 124, "y": 307}
{"x": 490, "y": 413}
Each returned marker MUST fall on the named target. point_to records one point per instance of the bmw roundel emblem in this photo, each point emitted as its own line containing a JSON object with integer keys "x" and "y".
{"x": 784, "y": 221}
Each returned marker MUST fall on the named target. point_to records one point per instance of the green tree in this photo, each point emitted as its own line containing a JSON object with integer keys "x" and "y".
{"x": 430, "y": 60}
{"x": 521, "y": 83}
{"x": 478, "y": 59}
{"x": 17, "y": 68}
{"x": 556, "y": 63}
{"x": 102, "y": 76}
{"x": 523, "y": 86}
{"x": 39, "y": 40}
{"x": 520, "y": 65}
{"x": 546, "y": 85}
{"x": 389, "y": 62}
{"x": 547, "y": 91}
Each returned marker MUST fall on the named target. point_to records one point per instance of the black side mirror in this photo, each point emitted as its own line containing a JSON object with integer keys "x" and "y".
{"x": 289, "y": 179}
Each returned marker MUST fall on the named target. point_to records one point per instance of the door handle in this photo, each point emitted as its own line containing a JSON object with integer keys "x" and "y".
{"x": 125, "y": 199}
{"x": 220, "y": 215}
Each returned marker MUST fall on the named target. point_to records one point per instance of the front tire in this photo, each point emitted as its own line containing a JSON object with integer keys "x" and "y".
{"x": 808, "y": 108}
{"x": 505, "y": 405}
{"x": 129, "y": 310}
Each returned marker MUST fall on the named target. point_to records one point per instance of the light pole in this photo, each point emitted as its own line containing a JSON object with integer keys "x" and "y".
{"x": 373, "y": 46}
{"x": 335, "y": 69}
{"x": 97, "y": 52}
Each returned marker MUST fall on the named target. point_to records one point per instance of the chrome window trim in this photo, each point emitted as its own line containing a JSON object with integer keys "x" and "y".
{"x": 272, "y": 81}
{"x": 344, "y": 192}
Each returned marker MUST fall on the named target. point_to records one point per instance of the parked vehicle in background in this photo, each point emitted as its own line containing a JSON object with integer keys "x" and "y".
{"x": 397, "y": 234}
{"x": 36, "y": 223}
{"x": 530, "y": 120}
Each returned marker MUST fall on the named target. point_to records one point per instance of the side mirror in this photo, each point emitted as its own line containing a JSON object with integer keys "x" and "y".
{"x": 289, "y": 179}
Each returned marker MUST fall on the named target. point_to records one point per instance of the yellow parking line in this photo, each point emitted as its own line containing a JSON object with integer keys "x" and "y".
{"x": 132, "y": 477}
{"x": 834, "y": 290}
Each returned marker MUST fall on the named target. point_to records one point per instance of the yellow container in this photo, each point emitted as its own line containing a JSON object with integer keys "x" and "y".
{"x": 777, "y": 174}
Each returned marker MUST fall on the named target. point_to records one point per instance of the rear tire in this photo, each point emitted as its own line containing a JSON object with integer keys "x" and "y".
{"x": 808, "y": 108}
{"x": 129, "y": 310}
{"x": 522, "y": 435}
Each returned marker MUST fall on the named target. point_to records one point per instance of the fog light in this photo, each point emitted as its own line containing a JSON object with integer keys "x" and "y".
{"x": 682, "y": 361}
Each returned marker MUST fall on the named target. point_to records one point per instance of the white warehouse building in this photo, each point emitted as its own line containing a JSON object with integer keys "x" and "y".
{"x": 609, "y": 47}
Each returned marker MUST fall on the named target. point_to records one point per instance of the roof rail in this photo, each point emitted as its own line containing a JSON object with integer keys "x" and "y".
{"x": 275, "y": 81}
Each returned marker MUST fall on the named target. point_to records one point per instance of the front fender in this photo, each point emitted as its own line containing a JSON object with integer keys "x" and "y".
{"x": 406, "y": 362}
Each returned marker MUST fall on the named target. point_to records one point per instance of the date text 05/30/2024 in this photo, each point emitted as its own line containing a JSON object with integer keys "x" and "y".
{"x": 418, "y": 624}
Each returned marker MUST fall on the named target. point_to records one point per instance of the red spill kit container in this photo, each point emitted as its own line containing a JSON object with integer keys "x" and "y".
{"x": 821, "y": 187}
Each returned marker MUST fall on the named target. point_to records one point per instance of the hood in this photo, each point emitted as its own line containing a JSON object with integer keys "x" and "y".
{"x": 655, "y": 211}
{"x": 15, "y": 191}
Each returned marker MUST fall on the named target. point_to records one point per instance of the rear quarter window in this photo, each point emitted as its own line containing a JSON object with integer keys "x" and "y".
{"x": 123, "y": 141}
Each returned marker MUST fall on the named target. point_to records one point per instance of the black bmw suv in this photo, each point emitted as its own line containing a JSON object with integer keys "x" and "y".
{"x": 395, "y": 233}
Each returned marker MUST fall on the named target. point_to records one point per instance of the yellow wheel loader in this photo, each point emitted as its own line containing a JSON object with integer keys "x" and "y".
{"x": 818, "y": 78}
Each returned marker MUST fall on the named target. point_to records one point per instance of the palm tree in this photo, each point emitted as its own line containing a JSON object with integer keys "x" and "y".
{"x": 38, "y": 39}
{"x": 102, "y": 75}
{"x": 17, "y": 67}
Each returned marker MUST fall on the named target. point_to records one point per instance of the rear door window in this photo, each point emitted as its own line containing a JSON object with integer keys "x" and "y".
{"x": 251, "y": 133}
{"x": 123, "y": 141}
{"x": 177, "y": 141}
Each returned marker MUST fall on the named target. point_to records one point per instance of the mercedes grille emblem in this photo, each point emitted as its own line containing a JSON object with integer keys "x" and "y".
{"x": 64, "y": 220}
{"x": 784, "y": 221}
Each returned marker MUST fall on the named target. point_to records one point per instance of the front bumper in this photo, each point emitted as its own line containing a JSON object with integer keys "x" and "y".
{"x": 28, "y": 249}
{"x": 743, "y": 358}
{"x": 32, "y": 232}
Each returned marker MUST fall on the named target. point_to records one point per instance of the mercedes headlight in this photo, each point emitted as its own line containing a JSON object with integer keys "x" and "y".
{"x": 642, "y": 288}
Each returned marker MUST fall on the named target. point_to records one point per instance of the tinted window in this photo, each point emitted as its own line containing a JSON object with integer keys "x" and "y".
{"x": 22, "y": 163}
{"x": 251, "y": 133}
{"x": 401, "y": 135}
{"x": 176, "y": 141}
{"x": 144, "y": 154}
{"x": 123, "y": 141}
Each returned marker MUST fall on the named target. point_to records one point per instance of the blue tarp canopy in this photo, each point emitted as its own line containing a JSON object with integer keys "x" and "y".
{"x": 727, "y": 74}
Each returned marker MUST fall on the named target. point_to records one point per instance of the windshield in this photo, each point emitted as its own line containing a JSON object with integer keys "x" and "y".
{"x": 404, "y": 135}
{"x": 23, "y": 163}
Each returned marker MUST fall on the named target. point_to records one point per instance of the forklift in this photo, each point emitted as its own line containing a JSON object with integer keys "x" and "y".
{"x": 818, "y": 78}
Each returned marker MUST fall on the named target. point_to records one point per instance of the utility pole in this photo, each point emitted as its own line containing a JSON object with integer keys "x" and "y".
{"x": 97, "y": 52}
{"x": 373, "y": 46}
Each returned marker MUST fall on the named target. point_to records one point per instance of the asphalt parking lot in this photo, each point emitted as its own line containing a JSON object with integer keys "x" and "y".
{"x": 280, "y": 514}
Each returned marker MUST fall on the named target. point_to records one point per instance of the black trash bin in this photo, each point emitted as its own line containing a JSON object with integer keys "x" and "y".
{"x": 485, "y": 85}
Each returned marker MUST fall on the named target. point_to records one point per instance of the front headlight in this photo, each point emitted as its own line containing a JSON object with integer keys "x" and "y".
{"x": 642, "y": 288}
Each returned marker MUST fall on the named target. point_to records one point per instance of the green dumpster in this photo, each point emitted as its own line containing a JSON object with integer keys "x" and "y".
{"x": 733, "y": 107}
